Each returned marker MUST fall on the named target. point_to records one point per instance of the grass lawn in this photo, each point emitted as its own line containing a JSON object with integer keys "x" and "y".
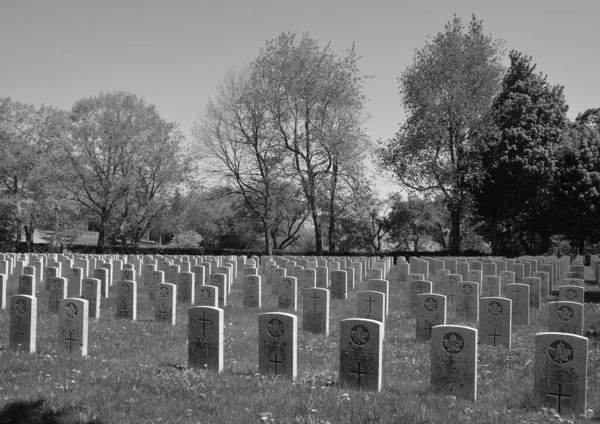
{"x": 136, "y": 373}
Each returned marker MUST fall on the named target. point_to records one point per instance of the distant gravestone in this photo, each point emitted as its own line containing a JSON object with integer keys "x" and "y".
{"x": 252, "y": 291}
{"x": 375, "y": 274}
{"x": 220, "y": 281}
{"x": 186, "y": 288}
{"x": 164, "y": 303}
{"x": 467, "y": 301}
{"x": 454, "y": 361}
{"x": 431, "y": 311}
{"x": 382, "y": 286}
{"x": 339, "y": 285}
{"x": 361, "y": 359}
{"x": 307, "y": 279}
{"x": 277, "y": 274}
{"x": 58, "y": 291}
{"x": 490, "y": 286}
{"x": 288, "y": 289}
{"x": 371, "y": 305}
{"x": 51, "y": 272}
{"x": 560, "y": 376}
{"x": 489, "y": 268}
{"x": 27, "y": 285}
{"x": 208, "y": 296}
{"x": 128, "y": 274}
{"x": 315, "y": 310}
{"x": 570, "y": 294}
{"x": 544, "y": 286}
{"x": 127, "y": 300}
{"x": 157, "y": 277}
{"x": 73, "y": 328}
{"x": 506, "y": 278}
{"x": 101, "y": 274}
{"x": 91, "y": 292}
{"x": 350, "y": 277}
{"x": 205, "y": 338}
{"x": 277, "y": 344}
{"x": 23, "y": 323}
{"x": 495, "y": 321}
{"x": 438, "y": 281}
{"x": 199, "y": 280}
{"x": 535, "y": 292}
{"x": 416, "y": 288}
{"x": 75, "y": 278}
{"x": 573, "y": 282}
{"x": 519, "y": 294}
{"x": 450, "y": 290}
{"x": 322, "y": 277}
{"x": 565, "y": 317}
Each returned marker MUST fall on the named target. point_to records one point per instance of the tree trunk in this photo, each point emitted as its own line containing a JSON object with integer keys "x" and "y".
{"x": 494, "y": 234}
{"x": 332, "y": 193}
{"x": 455, "y": 231}
{"x": 268, "y": 244}
{"x": 318, "y": 239}
{"x": 101, "y": 233}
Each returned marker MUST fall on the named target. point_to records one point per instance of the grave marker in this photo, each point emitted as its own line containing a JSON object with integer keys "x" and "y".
{"x": 560, "y": 376}
{"x": 23, "y": 323}
{"x": 277, "y": 340}
{"x": 361, "y": 347}
{"x": 73, "y": 327}
{"x": 454, "y": 361}
{"x": 315, "y": 310}
{"x": 431, "y": 311}
{"x": 205, "y": 338}
{"x": 495, "y": 322}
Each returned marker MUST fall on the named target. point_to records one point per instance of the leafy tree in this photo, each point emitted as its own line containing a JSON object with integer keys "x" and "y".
{"x": 27, "y": 139}
{"x": 122, "y": 157}
{"x": 519, "y": 155}
{"x": 446, "y": 93}
{"x": 315, "y": 102}
{"x": 235, "y": 139}
{"x": 577, "y": 186}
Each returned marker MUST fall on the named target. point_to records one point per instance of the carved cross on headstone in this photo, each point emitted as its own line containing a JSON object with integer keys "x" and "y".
{"x": 358, "y": 373}
{"x": 70, "y": 339}
{"x": 369, "y": 302}
{"x": 315, "y": 297}
{"x": 162, "y": 312}
{"x": 559, "y": 396}
{"x": 275, "y": 362}
{"x": 494, "y": 335}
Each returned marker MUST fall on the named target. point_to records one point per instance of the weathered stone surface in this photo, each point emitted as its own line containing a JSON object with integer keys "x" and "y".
{"x": 361, "y": 359}
{"x": 431, "y": 311}
{"x": 315, "y": 310}
{"x": 495, "y": 321}
{"x": 205, "y": 338}
{"x": 73, "y": 327}
{"x": 22, "y": 331}
{"x": 454, "y": 361}
{"x": 560, "y": 376}
{"x": 277, "y": 344}
{"x": 565, "y": 317}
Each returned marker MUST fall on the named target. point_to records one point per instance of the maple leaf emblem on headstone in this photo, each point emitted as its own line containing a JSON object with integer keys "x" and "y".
{"x": 359, "y": 335}
{"x": 71, "y": 311}
{"x": 495, "y": 308}
{"x": 565, "y": 313}
{"x": 275, "y": 327}
{"x": 571, "y": 294}
{"x": 560, "y": 354}
{"x": 20, "y": 307}
{"x": 467, "y": 289}
{"x": 430, "y": 304}
{"x": 453, "y": 343}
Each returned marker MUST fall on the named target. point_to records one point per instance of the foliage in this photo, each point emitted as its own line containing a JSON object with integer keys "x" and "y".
{"x": 577, "y": 184}
{"x": 315, "y": 103}
{"x": 519, "y": 155}
{"x": 445, "y": 94}
{"x": 123, "y": 160}
{"x": 28, "y": 137}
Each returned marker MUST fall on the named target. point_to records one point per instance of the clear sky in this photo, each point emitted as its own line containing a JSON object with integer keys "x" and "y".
{"x": 172, "y": 53}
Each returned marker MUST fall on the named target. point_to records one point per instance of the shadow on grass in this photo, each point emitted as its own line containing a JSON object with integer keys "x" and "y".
{"x": 35, "y": 412}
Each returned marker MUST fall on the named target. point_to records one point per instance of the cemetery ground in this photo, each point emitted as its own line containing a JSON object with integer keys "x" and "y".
{"x": 136, "y": 372}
